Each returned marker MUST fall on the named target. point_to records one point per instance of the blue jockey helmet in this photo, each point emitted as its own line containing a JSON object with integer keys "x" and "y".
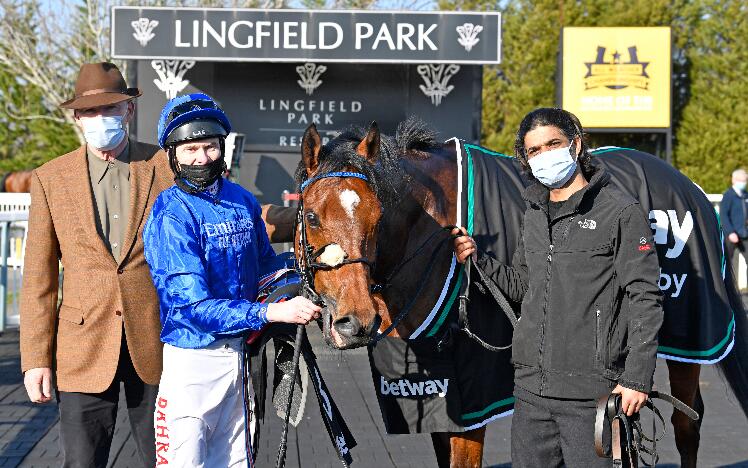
{"x": 191, "y": 117}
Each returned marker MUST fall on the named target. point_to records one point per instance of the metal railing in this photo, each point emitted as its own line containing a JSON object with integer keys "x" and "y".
{"x": 7, "y": 219}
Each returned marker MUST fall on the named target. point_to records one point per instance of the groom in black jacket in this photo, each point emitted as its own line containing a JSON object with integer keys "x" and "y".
{"x": 585, "y": 272}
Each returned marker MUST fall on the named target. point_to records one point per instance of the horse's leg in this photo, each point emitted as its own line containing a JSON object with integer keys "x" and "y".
{"x": 467, "y": 448}
{"x": 441, "y": 448}
{"x": 684, "y": 383}
{"x": 459, "y": 449}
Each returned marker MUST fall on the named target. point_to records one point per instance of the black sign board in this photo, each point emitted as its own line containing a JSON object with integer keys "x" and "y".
{"x": 272, "y": 104}
{"x": 245, "y": 35}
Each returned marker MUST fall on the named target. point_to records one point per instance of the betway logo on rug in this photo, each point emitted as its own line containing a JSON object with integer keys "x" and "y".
{"x": 404, "y": 387}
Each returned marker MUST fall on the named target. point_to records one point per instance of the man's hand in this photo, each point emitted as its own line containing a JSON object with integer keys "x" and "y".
{"x": 298, "y": 310}
{"x": 464, "y": 246}
{"x": 38, "y": 382}
{"x": 631, "y": 400}
{"x": 732, "y": 237}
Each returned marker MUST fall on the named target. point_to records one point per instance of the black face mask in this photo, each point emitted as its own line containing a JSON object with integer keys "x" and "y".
{"x": 195, "y": 179}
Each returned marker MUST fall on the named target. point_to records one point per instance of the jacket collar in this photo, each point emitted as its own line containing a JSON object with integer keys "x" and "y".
{"x": 537, "y": 194}
{"x": 98, "y": 168}
{"x": 141, "y": 181}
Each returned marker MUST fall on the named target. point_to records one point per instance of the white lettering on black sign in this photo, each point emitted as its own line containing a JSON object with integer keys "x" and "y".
{"x": 304, "y": 112}
{"x": 298, "y": 35}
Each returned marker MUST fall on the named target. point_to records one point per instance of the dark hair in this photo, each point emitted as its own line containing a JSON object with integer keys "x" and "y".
{"x": 563, "y": 120}
{"x": 386, "y": 176}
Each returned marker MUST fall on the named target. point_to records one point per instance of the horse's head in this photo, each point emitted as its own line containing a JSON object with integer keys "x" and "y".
{"x": 337, "y": 235}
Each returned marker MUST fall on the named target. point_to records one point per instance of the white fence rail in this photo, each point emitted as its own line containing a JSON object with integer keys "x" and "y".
{"x": 10, "y": 281}
{"x": 16, "y": 203}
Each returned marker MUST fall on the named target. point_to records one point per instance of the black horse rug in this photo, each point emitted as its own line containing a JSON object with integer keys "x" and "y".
{"x": 464, "y": 386}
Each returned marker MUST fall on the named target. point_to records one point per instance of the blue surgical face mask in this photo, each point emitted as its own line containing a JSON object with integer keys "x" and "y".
{"x": 739, "y": 186}
{"x": 554, "y": 168}
{"x": 103, "y": 132}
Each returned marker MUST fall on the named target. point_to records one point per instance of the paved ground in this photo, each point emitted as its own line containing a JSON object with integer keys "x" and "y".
{"x": 29, "y": 434}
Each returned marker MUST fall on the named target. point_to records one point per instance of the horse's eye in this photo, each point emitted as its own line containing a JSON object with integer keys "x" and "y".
{"x": 312, "y": 219}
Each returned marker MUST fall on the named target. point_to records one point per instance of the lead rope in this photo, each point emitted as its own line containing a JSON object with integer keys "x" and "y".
{"x": 498, "y": 296}
{"x": 631, "y": 439}
{"x": 463, "y": 323}
{"x": 306, "y": 290}
{"x": 281, "y": 460}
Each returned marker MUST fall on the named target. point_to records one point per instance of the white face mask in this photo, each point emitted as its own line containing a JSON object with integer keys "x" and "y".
{"x": 103, "y": 132}
{"x": 554, "y": 168}
{"x": 739, "y": 186}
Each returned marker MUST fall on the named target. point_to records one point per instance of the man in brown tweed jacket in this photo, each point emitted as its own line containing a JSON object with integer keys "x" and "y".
{"x": 87, "y": 213}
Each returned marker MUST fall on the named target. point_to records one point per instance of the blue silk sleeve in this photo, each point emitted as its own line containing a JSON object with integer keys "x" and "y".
{"x": 175, "y": 256}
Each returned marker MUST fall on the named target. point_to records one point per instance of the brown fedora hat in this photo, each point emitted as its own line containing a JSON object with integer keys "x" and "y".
{"x": 99, "y": 84}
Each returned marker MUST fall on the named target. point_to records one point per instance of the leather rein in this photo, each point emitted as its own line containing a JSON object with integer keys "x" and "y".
{"x": 628, "y": 441}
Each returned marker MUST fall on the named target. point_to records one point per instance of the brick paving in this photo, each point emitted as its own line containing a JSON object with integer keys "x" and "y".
{"x": 29, "y": 435}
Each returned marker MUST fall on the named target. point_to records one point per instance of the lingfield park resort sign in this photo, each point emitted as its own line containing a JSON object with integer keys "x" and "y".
{"x": 244, "y": 35}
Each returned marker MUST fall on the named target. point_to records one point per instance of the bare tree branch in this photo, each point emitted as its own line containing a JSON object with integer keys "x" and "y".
{"x": 49, "y": 117}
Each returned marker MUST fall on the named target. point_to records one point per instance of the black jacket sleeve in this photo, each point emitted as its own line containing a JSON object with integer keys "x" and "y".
{"x": 724, "y": 209}
{"x": 637, "y": 270}
{"x": 511, "y": 280}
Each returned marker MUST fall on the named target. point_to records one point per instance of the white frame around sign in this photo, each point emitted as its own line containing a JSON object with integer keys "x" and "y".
{"x": 497, "y": 14}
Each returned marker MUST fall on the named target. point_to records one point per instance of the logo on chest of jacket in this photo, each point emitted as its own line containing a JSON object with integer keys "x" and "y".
{"x": 644, "y": 245}
{"x": 587, "y": 224}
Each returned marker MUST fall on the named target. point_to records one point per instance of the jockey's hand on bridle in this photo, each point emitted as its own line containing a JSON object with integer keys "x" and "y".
{"x": 464, "y": 245}
{"x": 298, "y": 310}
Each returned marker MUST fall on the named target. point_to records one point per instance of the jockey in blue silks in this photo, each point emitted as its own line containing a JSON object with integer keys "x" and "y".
{"x": 206, "y": 245}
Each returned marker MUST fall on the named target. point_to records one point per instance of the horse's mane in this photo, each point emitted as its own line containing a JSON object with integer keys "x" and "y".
{"x": 414, "y": 134}
{"x": 386, "y": 176}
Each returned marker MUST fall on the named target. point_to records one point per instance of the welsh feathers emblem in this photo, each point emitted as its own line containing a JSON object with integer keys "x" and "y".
{"x": 144, "y": 30}
{"x": 437, "y": 79}
{"x": 171, "y": 75}
{"x": 309, "y": 74}
{"x": 469, "y": 35}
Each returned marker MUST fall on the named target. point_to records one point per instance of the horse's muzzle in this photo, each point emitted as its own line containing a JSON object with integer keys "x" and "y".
{"x": 346, "y": 332}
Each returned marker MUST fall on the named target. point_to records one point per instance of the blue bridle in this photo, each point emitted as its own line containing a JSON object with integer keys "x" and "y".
{"x": 357, "y": 175}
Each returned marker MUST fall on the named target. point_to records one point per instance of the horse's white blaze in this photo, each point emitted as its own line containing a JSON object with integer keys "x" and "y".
{"x": 333, "y": 255}
{"x": 350, "y": 200}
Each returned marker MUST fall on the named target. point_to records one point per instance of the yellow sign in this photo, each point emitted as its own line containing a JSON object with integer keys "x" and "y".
{"x": 617, "y": 77}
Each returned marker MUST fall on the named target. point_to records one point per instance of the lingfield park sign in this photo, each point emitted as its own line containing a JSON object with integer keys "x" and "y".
{"x": 245, "y": 35}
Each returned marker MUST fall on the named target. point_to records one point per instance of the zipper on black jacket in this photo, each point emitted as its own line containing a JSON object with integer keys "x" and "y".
{"x": 547, "y": 290}
{"x": 597, "y": 335}
{"x": 545, "y": 313}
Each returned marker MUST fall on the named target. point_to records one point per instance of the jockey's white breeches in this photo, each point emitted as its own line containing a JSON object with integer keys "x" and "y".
{"x": 200, "y": 411}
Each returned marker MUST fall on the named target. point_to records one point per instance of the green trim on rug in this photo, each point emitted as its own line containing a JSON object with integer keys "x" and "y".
{"x": 448, "y": 306}
{"x": 489, "y": 408}
{"x": 487, "y": 151}
{"x": 722, "y": 242}
{"x": 470, "y": 194}
{"x": 608, "y": 150}
{"x": 470, "y": 225}
{"x": 709, "y": 352}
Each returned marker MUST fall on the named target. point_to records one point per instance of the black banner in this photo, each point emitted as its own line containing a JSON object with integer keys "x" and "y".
{"x": 364, "y": 36}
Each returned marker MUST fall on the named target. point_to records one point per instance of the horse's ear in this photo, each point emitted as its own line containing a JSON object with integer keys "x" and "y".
{"x": 310, "y": 145}
{"x": 369, "y": 146}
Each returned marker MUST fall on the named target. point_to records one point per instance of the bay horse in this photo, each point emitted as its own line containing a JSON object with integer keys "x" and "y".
{"x": 365, "y": 226}
{"x": 16, "y": 182}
